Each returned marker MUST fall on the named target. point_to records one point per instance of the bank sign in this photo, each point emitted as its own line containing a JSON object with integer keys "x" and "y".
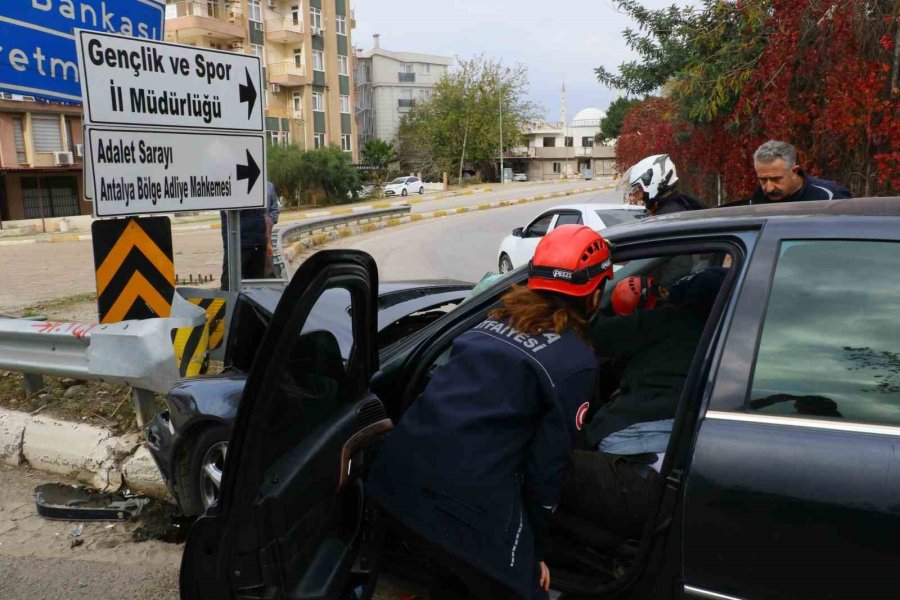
{"x": 37, "y": 41}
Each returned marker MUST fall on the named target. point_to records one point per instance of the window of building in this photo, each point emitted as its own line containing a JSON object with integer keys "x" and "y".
{"x": 406, "y": 68}
{"x": 549, "y": 142}
{"x": 424, "y": 94}
{"x": 318, "y": 60}
{"x": 47, "y": 133}
{"x": 587, "y": 141}
{"x": 315, "y": 17}
{"x": 51, "y": 197}
{"x": 341, "y": 25}
{"x": 254, "y": 11}
{"x": 829, "y": 347}
{"x": 318, "y": 140}
{"x": 259, "y": 51}
{"x": 297, "y": 103}
{"x": 557, "y": 168}
{"x": 424, "y": 68}
{"x": 569, "y": 141}
{"x": 343, "y": 65}
{"x": 346, "y": 144}
{"x": 279, "y": 138}
{"x": 19, "y": 137}
{"x": 296, "y": 14}
{"x": 345, "y": 104}
{"x": 318, "y": 100}
{"x": 298, "y": 58}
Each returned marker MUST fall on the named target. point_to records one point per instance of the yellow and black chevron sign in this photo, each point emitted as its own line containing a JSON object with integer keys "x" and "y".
{"x": 191, "y": 349}
{"x": 215, "y": 318}
{"x": 135, "y": 272}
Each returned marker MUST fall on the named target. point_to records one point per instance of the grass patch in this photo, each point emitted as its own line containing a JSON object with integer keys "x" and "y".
{"x": 57, "y": 304}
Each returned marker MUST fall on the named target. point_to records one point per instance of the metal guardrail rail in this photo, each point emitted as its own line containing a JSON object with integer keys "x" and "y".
{"x": 295, "y": 232}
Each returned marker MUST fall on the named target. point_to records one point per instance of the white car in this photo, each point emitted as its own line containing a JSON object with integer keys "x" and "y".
{"x": 520, "y": 177}
{"x": 403, "y": 186}
{"x": 518, "y": 247}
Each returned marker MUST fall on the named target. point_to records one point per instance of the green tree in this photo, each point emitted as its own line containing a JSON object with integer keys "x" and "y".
{"x": 611, "y": 124}
{"x": 460, "y": 123}
{"x": 380, "y": 154}
{"x": 283, "y": 164}
{"x": 328, "y": 173}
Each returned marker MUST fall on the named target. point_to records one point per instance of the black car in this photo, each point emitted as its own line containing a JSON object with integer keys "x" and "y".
{"x": 781, "y": 479}
{"x": 189, "y": 440}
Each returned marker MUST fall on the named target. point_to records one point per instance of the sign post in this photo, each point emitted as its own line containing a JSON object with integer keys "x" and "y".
{"x": 172, "y": 128}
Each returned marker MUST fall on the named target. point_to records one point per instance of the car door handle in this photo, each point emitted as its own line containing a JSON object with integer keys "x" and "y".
{"x": 357, "y": 441}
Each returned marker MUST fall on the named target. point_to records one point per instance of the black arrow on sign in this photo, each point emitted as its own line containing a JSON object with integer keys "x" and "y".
{"x": 248, "y": 93}
{"x": 249, "y": 171}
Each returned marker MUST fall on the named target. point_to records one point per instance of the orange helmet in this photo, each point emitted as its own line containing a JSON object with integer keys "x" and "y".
{"x": 633, "y": 293}
{"x": 571, "y": 260}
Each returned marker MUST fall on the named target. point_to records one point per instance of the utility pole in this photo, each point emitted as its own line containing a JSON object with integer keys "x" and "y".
{"x": 502, "y": 179}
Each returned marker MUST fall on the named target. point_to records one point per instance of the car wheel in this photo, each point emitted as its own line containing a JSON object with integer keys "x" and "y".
{"x": 404, "y": 192}
{"x": 200, "y": 470}
{"x": 422, "y": 190}
{"x": 505, "y": 264}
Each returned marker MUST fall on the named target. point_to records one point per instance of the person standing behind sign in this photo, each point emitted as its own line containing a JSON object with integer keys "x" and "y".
{"x": 256, "y": 242}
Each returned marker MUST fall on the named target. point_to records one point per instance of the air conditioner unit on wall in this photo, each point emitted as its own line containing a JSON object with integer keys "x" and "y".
{"x": 63, "y": 158}
{"x": 317, "y": 30}
{"x": 274, "y": 88}
{"x": 79, "y": 150}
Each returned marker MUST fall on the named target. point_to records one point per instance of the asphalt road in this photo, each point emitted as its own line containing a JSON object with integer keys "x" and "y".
{"x": 37, "y": 273}
{"x": 458, "y": 246}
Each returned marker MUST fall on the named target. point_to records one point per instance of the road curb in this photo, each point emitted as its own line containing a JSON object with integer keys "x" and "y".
{"x": 321, "y": 238}
{"x": 92, "y": 455}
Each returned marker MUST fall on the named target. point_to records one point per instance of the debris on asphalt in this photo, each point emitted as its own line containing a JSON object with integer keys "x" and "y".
{"x": 77, "y": 531}
{"x": 78, "y": 503}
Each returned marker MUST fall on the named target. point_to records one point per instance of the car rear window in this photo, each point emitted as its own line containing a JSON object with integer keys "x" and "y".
{"x": 830, "y": 348}
{"x": 617, "y": 217}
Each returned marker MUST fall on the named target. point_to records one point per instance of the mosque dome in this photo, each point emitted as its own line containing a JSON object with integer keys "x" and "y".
{"x": 588, "y": 117}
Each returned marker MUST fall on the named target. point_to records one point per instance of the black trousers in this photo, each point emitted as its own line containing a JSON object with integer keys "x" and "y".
{"x": 253, "y": 264}
{"x": 612, "y": 491}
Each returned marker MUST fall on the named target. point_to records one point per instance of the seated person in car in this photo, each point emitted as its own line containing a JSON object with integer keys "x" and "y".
{"x": 614, "y": 487}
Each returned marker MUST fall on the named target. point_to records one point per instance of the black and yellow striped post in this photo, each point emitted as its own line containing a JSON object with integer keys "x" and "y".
{"x": 215, "y": 318}
{"x": 191, "y": 346}
{"x": 134, "y": 267}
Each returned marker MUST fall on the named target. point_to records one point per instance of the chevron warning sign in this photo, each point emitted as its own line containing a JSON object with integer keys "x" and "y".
{"x": 135, "y": 272}
{"x": 191, "y": 349}
{"x": 215, "y": 318}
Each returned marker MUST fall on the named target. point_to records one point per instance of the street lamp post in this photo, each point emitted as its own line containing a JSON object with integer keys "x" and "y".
{"x": 502, "y": 178}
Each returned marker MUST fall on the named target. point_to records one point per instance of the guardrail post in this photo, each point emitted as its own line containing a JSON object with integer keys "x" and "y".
{"x": 144, "y": 406}
{"x": 33, "y": 383}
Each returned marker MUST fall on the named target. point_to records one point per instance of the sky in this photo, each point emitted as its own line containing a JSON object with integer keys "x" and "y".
{"x": 557, "y": 40}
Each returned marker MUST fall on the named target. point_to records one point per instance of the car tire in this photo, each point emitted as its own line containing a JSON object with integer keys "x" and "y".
{"x": 422, "y": 190}
{"x": 404, "y": 192}
{"x": 505, "y": 265}
{"x": 202, "y": 461}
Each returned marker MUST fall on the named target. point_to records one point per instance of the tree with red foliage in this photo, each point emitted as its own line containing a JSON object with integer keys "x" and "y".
{"x": 819, "y": 74}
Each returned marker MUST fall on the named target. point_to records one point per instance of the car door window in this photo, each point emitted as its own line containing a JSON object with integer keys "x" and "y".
{"x": 568, "y": 218}
{"x": 830, "y": 348}
{"x": 540, "y": 226}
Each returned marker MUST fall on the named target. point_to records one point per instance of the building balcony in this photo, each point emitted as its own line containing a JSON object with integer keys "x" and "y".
{"x": 404, "y": 77}
{"x": 287, "y": 74}
{"x": 284, "y": 30}
{"x": 192, "y": 19}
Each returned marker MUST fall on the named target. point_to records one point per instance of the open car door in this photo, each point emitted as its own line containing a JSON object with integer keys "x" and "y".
{"x": 289, "y": 520}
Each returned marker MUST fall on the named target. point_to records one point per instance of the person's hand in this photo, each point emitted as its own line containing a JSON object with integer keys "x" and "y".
{"x": 545, "y": 577}
{"x": 269, "y": 251}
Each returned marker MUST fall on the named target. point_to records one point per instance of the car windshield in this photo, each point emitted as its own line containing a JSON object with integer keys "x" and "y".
{"x": 398, "y": 180}
{"x": 619, "y": 216}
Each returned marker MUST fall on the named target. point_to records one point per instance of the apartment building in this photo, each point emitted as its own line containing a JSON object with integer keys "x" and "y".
{"x": 41, "y": 160}
{"x": 388, "y": 85}
{"x": 305, "y": 49}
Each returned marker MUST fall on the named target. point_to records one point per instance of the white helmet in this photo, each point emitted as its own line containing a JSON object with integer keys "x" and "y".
{"x": 655, "y": 175}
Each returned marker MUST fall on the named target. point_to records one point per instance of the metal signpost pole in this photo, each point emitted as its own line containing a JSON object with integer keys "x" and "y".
{"x": 233, "y": 233}
{"x": 502, "y": 176}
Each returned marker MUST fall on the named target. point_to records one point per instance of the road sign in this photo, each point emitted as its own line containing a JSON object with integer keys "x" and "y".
{"x": 137, "y": 171}
{"x": 37, "y": 40}
{"x": 135, "y": 271}
{"x": 138, "y": 82}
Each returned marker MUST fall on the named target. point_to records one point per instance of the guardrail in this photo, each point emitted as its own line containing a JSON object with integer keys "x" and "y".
{"x": 135, "y": 353}
{"x": 283, "y": 237}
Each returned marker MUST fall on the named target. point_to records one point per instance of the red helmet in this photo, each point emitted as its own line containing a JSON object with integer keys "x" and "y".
{"x": 633, "y": 293}
{"x": 571, "y": 260}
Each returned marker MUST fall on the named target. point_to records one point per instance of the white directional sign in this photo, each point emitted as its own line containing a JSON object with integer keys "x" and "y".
{"x": 150, "y": 171}
{"x": 126, "y": 81}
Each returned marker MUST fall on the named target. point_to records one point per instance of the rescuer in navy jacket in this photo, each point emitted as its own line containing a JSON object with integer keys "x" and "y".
{"x": 478, "y": 462}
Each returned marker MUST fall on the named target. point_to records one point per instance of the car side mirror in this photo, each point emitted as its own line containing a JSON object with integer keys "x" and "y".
{"x": 518, "y": 232}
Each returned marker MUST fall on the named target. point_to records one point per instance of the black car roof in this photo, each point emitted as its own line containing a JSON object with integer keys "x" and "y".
{"x": 739, "y": 217}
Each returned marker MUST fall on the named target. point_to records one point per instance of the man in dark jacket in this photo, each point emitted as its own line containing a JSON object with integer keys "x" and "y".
{"x": 256, "y": 230}
{"x": 782, "y": 180}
